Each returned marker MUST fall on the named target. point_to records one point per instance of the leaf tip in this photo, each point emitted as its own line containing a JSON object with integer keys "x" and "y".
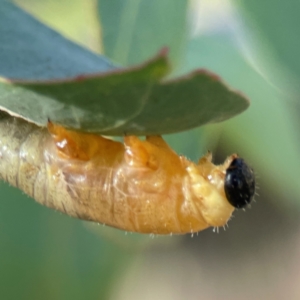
{"x": 80, "y": 77}
{"x": 164, "y": 52}
{"x": 217, "y": 78}
{"x": 207, "y": 73}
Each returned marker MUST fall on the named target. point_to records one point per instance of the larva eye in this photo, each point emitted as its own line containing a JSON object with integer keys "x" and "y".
{"x": 239, "y": 183}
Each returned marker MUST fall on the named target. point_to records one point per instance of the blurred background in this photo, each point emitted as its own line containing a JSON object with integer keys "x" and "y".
{"x": 254, "y": 46}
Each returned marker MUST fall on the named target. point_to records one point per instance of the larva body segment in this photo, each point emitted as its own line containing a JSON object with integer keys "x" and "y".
{"x": 140, "y": 186}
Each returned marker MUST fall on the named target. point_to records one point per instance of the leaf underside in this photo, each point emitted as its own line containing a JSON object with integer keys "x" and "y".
{"x": 45, "y": 76}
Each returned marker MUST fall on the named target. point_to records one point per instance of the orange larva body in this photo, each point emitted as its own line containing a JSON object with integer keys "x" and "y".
{"x": 140, "y": 186}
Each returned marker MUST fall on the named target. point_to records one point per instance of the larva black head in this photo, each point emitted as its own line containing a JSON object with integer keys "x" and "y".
{"x": 239, "y": 183}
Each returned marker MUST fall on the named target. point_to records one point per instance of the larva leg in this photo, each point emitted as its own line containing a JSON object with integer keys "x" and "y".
{"x": 228, "y": 161}
{"x": 158, "y": 141}
{"x": 138, "y": 153}
{"x": 207, "y": 158}
{"x": 69, "y": 143}
{"x": 82, "y": 146}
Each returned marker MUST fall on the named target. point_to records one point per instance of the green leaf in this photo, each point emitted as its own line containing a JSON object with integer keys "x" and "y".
{"x": 276, "y": 22}
{"x": 31, "y": 51}
{"x": 47, "y": 77}
{"x": 74, "y": 19}
{"x": 135, "y": 29}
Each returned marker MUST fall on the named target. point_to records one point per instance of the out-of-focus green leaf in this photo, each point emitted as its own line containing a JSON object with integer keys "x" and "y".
{"x": 277, "y": 23}
{"x": 132, "y": 101}
{"x": 31, "y": 51}
{"x": 47, "y": 255}
{"x": 75, "y": 19}
{"x": 135, "y": 29}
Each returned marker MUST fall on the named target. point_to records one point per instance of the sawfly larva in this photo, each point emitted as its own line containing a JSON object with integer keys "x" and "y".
{"x": 141, "y": 185}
